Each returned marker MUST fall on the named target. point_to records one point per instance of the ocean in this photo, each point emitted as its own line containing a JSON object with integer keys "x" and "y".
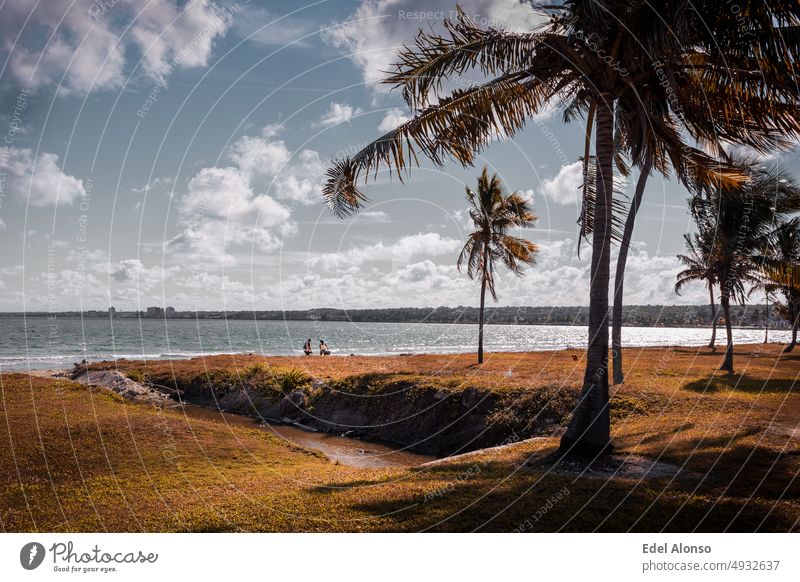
{"x": 42, "y": 343}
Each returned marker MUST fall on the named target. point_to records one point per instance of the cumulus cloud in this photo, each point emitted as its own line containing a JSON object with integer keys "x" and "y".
{"x": 267, "y": 160}
{"x": 244, "y": 204}
{"x": 220, "y": 209}
{"x": 563, "y": 187}
{"x": 429, "y": 244}
{"x": 89, "y": 43}
{"x": 38, "y": 178}
{"x": 339, "y": 113}
{"x": 416, "y": 270}
{"x": 392, "y": 119}
{"x": 377, "y": 28}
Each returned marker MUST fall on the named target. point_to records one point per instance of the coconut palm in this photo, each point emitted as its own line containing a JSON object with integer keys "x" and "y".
{"x": 781, "y": 274}
{"x": 494, "y": 214}
{"x": 645, "y": 80}
{"x": 743, "y": 221}
{"x": 700, "y": 268}
{"x": 619, "y": 275}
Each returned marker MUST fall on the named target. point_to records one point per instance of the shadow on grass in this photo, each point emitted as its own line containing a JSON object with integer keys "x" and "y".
{"x": 741, "y": 383}
{"x": 727, "y": 486}
{"x": 492, "y": 502}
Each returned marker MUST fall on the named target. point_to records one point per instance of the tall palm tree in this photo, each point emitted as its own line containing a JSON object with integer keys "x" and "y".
{"x": 743, "y": 220}
{"x": 700, "y": 268}
{"x": 682, "y": 70}
{"x": 619, "y": 276}
{"x": 494, "y": 214}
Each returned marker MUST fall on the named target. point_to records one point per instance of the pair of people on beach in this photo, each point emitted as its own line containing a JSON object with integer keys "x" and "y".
{"x": 323, "y": 348}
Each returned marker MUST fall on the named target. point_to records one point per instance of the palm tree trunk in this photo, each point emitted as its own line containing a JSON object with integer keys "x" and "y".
{"x": 727, "y": 364}
{"x": 713, "y": 343}
{"x": 589, "y": 431}
{"x": 480, "y": 317}
{"x": 795, "y": 317}
{"x": 619, "y": 278}
{"x": 766, "y": 319}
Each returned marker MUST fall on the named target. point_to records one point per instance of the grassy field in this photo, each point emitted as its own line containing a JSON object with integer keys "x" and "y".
{"x": 74, "y": 459}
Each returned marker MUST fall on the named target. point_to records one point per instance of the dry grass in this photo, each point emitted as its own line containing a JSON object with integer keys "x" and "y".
{"x": 74, "y": 460}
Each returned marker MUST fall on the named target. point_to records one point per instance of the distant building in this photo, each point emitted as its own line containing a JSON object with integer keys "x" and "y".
{"x": 155, "y": 312}
{"x": 169, "y": 312}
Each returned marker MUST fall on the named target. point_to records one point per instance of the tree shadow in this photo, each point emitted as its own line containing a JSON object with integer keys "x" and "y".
{"x": 726, "y": 485}
{"x": 740, "y": 383}
{"x": 739, "y": 469}
{"x": 529, "y": 502}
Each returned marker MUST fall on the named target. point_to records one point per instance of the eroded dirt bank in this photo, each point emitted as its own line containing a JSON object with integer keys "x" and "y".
{"x": 432, "y": 415}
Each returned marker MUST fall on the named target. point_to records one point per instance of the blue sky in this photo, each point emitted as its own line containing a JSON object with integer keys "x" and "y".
{"x": 163, "y": 153}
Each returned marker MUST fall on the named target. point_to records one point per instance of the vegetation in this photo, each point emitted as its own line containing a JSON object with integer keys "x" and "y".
{"x": 780, "y": 272}
{"x": 619, "y": 276}
{"x": 735, "y": 228}
{"x": 101, "y": 464}
{"x": 582, "y": 59}
{"x": 493, "y": 213}
{"x": 700, "y": 268}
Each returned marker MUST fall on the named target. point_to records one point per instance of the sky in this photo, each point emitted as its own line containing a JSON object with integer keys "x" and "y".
{"x": 156, "y": 152}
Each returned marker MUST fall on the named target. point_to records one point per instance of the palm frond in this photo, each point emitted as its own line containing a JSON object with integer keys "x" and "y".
{"x": 457, "y": 128}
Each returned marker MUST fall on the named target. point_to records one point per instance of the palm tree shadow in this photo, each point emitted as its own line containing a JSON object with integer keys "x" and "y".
{"x": 740, "y": 383}
{"x": 532, "y": 501}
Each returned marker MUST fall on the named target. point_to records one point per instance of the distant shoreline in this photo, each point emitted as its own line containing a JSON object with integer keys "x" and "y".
{"x": 664, "y": 316}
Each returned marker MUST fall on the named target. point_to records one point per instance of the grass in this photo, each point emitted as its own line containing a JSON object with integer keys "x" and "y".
{"x": 72, "y": 459}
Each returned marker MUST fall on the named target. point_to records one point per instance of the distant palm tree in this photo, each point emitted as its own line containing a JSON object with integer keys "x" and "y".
{"x": 781, "y": 274}
{"x": 742, "y": 221}
{"x": 700, "y": 268}
{"x": 494, "y": 214}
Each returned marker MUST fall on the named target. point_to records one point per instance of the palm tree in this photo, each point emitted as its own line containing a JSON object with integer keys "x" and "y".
{"x": 781, "y": 274}
{"x": 631, "y": 70}
{"x": 743, "y": 220}
{"x": 494, "y": 214}
{"x": 700, "y": 268}
{"x": 619, "y": 276}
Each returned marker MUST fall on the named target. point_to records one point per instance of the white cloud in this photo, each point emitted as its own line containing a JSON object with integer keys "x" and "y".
{"x": 260, "y": 26}
{"x": 83, "y": 40}
{"x": 260, "y": 155}
{"x": 376, "y": 216}
{"x": 39, "y": 178}
{"x": 392, "y": 119}
{"x": 377, "y": 28}
{"x": 417, "y": 270}
{"x": 155, "y": 184}
{"x": 563, "y": 188}
{"x": 220, "y": 210}
{"x": 172, "y": 35}
{"x": 745, "y": 151}
{"x": 267, "y": 160}
{"x": 429, "y": 244}
{"x": 339, "y": 113}
{"x": 242, "y": 205}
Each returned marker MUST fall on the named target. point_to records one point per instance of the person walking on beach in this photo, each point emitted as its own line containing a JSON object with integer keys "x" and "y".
{"x": 323, "y": 348}
{"x": 307, "y": 347}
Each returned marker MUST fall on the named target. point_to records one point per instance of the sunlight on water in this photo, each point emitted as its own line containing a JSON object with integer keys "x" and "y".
{"x": 40, "y": 343}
